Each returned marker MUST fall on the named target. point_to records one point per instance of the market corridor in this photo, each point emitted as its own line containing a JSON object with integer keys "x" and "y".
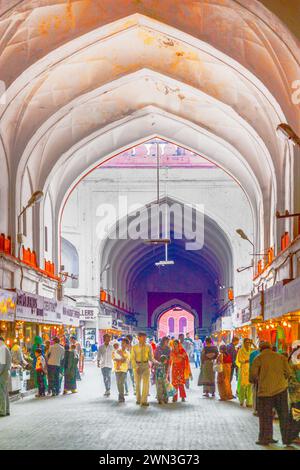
{"x": 89, "y": 421}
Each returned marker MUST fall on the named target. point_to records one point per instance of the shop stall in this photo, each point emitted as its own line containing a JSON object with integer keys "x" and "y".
{"x": 51, "y": 324}
{"x": 7, "y": 315}
{"x": 276, "y": 316}
{"x": 223, "y": 330}
{"x": 12, "y": 331}
{"x": 88, "y": 320}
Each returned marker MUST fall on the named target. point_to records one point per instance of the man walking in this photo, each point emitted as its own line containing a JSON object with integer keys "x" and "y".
{"x": 198, "y": 346}
{"x": 253, "y": 355}
{"x": 141, "y": 355}
{"x": 54, "y": 360}
{"x": 105, "y": 362}
{"x": 130, "y": 369}
{"x": 232, "y": 351}
{"x": 271, "y": 372}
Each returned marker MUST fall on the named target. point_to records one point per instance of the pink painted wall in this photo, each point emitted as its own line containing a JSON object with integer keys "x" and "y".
{"x": 163, "y": 323}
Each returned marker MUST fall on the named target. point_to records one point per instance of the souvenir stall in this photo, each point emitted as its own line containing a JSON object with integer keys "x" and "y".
{"x": 7, "y": 315}
{"x": 70, "y": 323}
{"x": 243, "y": 332}
{"x": 29, "y": 315}
{"x": 52, "y": 320}
{"x": 223, "y": 330}
{"x": 280, "y": 332}
{"x": 12, "y": 331}
{"x": 281, "y": 320}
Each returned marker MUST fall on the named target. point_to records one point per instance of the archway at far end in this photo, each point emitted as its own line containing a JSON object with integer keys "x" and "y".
{"x": 176, "y": 321}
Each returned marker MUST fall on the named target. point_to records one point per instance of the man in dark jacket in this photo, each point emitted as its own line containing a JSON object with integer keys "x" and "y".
{"x": 232, "y": 351}
{"x": 271, "y": 371}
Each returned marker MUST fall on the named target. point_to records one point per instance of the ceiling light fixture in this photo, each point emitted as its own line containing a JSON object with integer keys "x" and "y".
{"x": 284, "y": 130}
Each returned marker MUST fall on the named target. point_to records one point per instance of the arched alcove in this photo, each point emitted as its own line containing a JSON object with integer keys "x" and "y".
{"x": 70, "y": 262}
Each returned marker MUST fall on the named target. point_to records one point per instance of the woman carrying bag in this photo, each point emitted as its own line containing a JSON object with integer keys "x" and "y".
{"x": 223, "y": 368}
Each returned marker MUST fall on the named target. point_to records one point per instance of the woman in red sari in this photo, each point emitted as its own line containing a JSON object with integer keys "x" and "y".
{"x": 181, "y": 370}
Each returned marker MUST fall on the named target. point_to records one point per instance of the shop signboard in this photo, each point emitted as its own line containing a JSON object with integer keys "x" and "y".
{"x": 70, "y": 316}
{"x": 273, "y": 300}
{"x": 52, "y": 311}
{"x": 105, "y": 322}
{"x": 246, "y": 315}
{"x": 8, "y": 301}
{"x": 256, "y": 306}
{"x": 88, "y": 313}
{"x": 29, "y": 307}
{"x": 291, "y": 296}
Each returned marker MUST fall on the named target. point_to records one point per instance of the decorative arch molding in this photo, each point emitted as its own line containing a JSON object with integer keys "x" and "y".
{"x": 5, "y": 193}
{"x": 143, "y": 126}
{"x": 217, "y": 255}
{"x": 198, "y": 23}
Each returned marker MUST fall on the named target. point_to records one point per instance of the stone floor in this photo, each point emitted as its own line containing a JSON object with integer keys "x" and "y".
{"x": 87, "y": 420}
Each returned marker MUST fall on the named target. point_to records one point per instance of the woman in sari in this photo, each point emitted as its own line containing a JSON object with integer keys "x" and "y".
{"x": 181, "y": 370}
{"x": 207, "y": 373}
{"x": 224, "y": 362}
{"x": 70, "y": 366}
{"x": 244, "y": 388}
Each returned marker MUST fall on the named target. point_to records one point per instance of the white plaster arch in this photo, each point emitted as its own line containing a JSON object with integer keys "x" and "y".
{"x": 169, "y": 128}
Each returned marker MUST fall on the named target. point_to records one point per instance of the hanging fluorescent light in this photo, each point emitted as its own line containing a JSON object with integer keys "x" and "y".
{"x": 166, "y": 261}
{"x": 157, "y": 241}
{"x": 285, "y": 131}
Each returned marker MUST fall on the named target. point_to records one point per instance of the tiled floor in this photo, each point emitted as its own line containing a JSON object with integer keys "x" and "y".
{"x": 90, "y": 421}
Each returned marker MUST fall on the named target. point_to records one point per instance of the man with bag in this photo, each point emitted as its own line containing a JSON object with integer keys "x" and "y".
{"x": 271, "y": 372}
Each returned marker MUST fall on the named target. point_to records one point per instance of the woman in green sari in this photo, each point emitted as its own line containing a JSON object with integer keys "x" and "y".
{"x": 244, "y": 387}
{"x": 70, "y": 367}
{"x": 5, "y": 365}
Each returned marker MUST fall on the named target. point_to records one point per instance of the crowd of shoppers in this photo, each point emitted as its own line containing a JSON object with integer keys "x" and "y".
{"x": 266, "y": 381}
{"x": 54, "y": 367}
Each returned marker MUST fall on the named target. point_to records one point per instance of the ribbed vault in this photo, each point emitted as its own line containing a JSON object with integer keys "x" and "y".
{"x": 87, "y": 79}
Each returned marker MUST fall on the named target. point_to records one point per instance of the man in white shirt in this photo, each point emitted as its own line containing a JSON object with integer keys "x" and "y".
{"x": 54, "y": 361}
{"x": 105, "y": 362}
{"x": 198, "y": 347}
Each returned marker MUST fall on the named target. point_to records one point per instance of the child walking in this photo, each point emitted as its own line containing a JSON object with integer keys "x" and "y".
{"x": 121, "y": 359}
{"x": 41, "y": 371}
